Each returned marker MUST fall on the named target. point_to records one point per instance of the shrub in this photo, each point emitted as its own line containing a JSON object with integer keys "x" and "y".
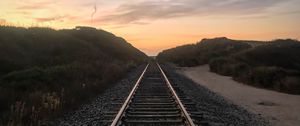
{"x": 202, "y": 52}
{"x": 269, "y": 65}
{"x": 241, "y": 71}
{"x": 222, "y": 66}
{"x": 48, "y": 72}
{"x": 267, "y": 76}
{"x": 291, "y": 84}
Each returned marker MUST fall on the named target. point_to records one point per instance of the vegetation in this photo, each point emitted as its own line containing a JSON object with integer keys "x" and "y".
{"x": 44, "y": 72}
{"x": 273, "y": 65}
{"x": 202, "y": 52}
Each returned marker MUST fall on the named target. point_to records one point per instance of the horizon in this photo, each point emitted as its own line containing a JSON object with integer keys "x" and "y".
{"x": 170, "y": 24}
{"x": 149, "y": 62}
{"x": 162, "y": 49}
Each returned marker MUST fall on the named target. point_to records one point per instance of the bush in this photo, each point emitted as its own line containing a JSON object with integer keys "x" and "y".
{"x": 267, "y": 76}
{"x": 274, "y": 65}
{"x": 241, "y": 71}
{"x": 46, "y": 72}
{"x": 222, "y": 66}
{"x": 291, "y": 84}
{"x": 202, "y": 52}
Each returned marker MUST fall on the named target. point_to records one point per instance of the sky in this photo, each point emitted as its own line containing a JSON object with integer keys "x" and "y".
{"x": 155, "y": 25}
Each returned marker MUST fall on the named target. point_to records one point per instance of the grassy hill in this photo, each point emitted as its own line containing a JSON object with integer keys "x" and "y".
{"x": 44, "y": 72}
{"x": 202, "y": 52}
{"x": 273, "y": 65}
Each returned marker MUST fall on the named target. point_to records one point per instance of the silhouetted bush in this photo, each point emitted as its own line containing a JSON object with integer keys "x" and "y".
{"x": 222, "y": 66}
{"x": 290, "y": 84}
{"x": 44, "y": 72}
{"x": 280, "y": 53}
{"x": 202, "y": 52}
{"x": 275, "y": 78}
{"x": 273, "y": 65}
{"x": 266, "y": 76}
{"x": 229, "y": 67}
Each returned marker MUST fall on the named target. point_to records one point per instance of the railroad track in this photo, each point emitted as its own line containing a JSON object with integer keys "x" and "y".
{"x": 155, "y": 101}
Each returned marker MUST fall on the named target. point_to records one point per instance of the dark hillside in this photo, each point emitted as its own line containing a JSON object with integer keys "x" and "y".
{"x": 280, "y": 53}
{"x": 203, "y": 51}
{"x": 273, "y": 65}
{"x": 45, "y": 72}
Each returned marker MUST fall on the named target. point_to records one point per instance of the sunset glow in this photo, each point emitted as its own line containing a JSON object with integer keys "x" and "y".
{"x": 154, "y": 25}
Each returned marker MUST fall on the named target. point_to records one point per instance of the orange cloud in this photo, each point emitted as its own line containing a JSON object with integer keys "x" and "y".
{"x": 2, "y": 21}
{"x": 152, "y": 10}
{"x": 47, "y": 19}
{"x": 29, "y": 5}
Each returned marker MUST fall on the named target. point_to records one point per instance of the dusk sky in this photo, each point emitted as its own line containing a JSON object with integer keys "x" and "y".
{"x": 154, "y": 25}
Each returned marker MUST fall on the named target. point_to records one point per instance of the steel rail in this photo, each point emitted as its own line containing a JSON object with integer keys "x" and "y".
{"x": 126, "y": 103}
{"x": 185, "y": 113}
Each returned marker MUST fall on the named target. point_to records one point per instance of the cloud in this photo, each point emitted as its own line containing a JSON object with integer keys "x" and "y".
{"x": 2, "y": 21}
{"x": 139, "y": 23}
{"x": 60, "y": 18}
{"x": 30, "y": 5}
{"x": 45, "y": 19}
{"x": 291, "y": 12}
{"x": 148, "y": 10}
{"x": 49, "y": 19}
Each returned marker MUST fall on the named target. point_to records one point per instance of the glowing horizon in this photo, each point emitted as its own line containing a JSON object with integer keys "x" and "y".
{"x": 154, "y": 25}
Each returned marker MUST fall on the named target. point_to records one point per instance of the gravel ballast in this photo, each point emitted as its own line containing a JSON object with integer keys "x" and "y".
{"x": 215, "y": 110}
{"x": 91, "y": 113}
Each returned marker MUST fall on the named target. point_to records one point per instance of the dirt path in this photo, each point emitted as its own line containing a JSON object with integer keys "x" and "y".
{"x": 279, "y": 108}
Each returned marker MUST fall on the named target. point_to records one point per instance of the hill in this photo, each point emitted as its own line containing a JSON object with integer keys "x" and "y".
{"x": 203, "y": 51}
{"x": 273, "y": 65}
{"x": 44, "y": 72}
